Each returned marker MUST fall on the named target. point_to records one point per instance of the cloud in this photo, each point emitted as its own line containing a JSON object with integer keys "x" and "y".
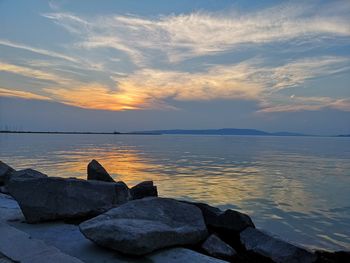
{"x": 183, "y": 36}
{"x": 247, "y": 80}
{"x": 33, "y": 73}
{"x": 40, "y": 51}
{"x": 21, "y": 94}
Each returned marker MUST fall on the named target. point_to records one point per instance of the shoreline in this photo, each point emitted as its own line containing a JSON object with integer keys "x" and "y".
{"x": 73, "y": 218}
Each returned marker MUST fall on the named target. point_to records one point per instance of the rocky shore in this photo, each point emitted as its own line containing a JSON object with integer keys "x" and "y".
{"x": 52, "y": 219}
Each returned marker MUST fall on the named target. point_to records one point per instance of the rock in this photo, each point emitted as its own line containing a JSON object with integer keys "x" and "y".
{"x": 5, "y": 171}
{"x": 142, "y": 226}
{"x": 3, "y": 190}
{"x": 96, "y": 172}
{"x": 180, "y": 255}
{"x": 333, "y": 257}
{"x": 144, "y": 189}
{"x": 122, "y": 191}
{"x": 52, "y": 198}
{"x": 228, "y": 220}
{"x": 215, "y": 247}
{"x": 278, "y": 250}
{"x": 25, "y": 174}
{"x": 9, "y": 209}
{"x": 20, "y": 247}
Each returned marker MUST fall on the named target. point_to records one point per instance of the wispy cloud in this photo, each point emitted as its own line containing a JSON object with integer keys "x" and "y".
{"x": 40, "y": 51}
{"x": 184, "y": 36}
{"x": 21, "y": 94}
{"x": 33, "y": 73}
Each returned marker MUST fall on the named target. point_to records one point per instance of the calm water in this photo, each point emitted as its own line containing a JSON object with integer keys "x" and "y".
{"x": 295, "y": 187}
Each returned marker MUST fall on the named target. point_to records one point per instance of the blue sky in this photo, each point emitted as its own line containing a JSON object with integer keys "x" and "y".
{"x": 135, "y": 65}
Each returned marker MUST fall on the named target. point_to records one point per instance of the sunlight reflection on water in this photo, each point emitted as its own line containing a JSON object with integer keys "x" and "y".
{"x": 295, "y": 187}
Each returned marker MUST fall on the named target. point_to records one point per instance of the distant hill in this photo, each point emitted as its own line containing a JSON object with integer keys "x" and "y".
{"x": 226, "y": 131}
{"x": 343, "y": 135}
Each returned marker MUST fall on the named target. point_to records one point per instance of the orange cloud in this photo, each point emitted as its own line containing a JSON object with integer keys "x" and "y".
{"x": 21, "y": 94}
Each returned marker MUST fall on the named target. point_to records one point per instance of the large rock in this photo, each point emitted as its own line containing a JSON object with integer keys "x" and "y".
{"x": 228, "y": 220}
{"x": 333, "y": 257}
{"x": 276, "y": 249}
{"x": 25, "y": 174}
{"x": 5, "y": 172}
{"x": 181, "y": 255}
{"x": 96, "y": 172}
{"x": 20, "y": 247}
{"x": 144, "y": 189}
{"x": 142, "y": 226}
{"x": 215, "y": 247}
{"x": 51, "y": 198}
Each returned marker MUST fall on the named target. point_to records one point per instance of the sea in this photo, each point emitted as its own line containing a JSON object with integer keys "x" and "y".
{"x": 297, "y": 188}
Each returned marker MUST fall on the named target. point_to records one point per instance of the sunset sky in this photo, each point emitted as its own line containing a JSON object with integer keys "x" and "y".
{"x": 140, "y": 65}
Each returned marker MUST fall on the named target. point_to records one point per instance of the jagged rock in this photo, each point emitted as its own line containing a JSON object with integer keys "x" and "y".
{"x": 276, "y": 249}
{"x": 215, "y": 247}
{"x": 228, "y": 220}
{"x": 96, "y": 172}
{"x": 5, "y": 171}
{"x": 144, "y": 189}
{"x": 51, "y": 198}
{"x": 122, "y": 191}
{"x": 20, "y": 247}
{"x": 180, "y": 255}
{"x": 142, "y": 226}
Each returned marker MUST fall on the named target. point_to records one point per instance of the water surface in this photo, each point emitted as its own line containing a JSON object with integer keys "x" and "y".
{"x": 295, "y": 187}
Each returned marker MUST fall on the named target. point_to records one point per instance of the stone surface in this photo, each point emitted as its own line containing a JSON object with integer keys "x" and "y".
{"x": 181, "y": 255}
{"x": 215, "y": 247}
{"x": 274, "y": 248}
{"x": 229, "y": 220}
{"x": 24, "y": 175}
{"x": 5, "y": 171}
{"x": 52, "y": 198}
{"x": 20, "y": 247}
{"x": 144, "y": 189}
{"x": 9, "y": 209}
{"x": 142, "y": 226}
{"x": 95, "y": 171}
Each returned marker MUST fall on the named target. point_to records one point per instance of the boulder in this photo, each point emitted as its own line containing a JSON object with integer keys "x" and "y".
{"x": 5, "y": 171}
{"x": 180, "y": 255}
{"x": 25, "y": 174}
{"x": 96, "y": 172}
{"x": 123, "y": 192}
{"x": 276, "y": 249}
{"x": 144, "y": 189}
{"x": 228, "y": 220}
{"x": 52, "y": 198}
{"x": 215, "y": 247}
{"x": 142, "y": 226}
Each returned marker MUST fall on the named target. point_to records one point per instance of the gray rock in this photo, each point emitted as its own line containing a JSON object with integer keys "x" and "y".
{"x": 20, "y": 247}
{"x": 276, "y": 249}
{"x": 181, "y": 255}
{"x": 96, "y": 172}
{"x": 9, "y": 209}
{"x": 228, "y": 220}
{"x": 142, "y": 226}
{"x": 5, "y": 171}
{"x": 123, "y": 192}
{"x": 215, "y": 247}
{"x": 144, "y": 189}
{"x": 51, "y": 198}
{"x": 3, "y": 190}
{"x": 25, "y": 174}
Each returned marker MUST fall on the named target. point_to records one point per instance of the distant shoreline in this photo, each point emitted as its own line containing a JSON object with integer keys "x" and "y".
{"x": 102, "y": 133}
{"x": 176, "y": 132}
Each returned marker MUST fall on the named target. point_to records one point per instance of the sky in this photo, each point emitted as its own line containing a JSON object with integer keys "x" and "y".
{"x": 132, "y": 65}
